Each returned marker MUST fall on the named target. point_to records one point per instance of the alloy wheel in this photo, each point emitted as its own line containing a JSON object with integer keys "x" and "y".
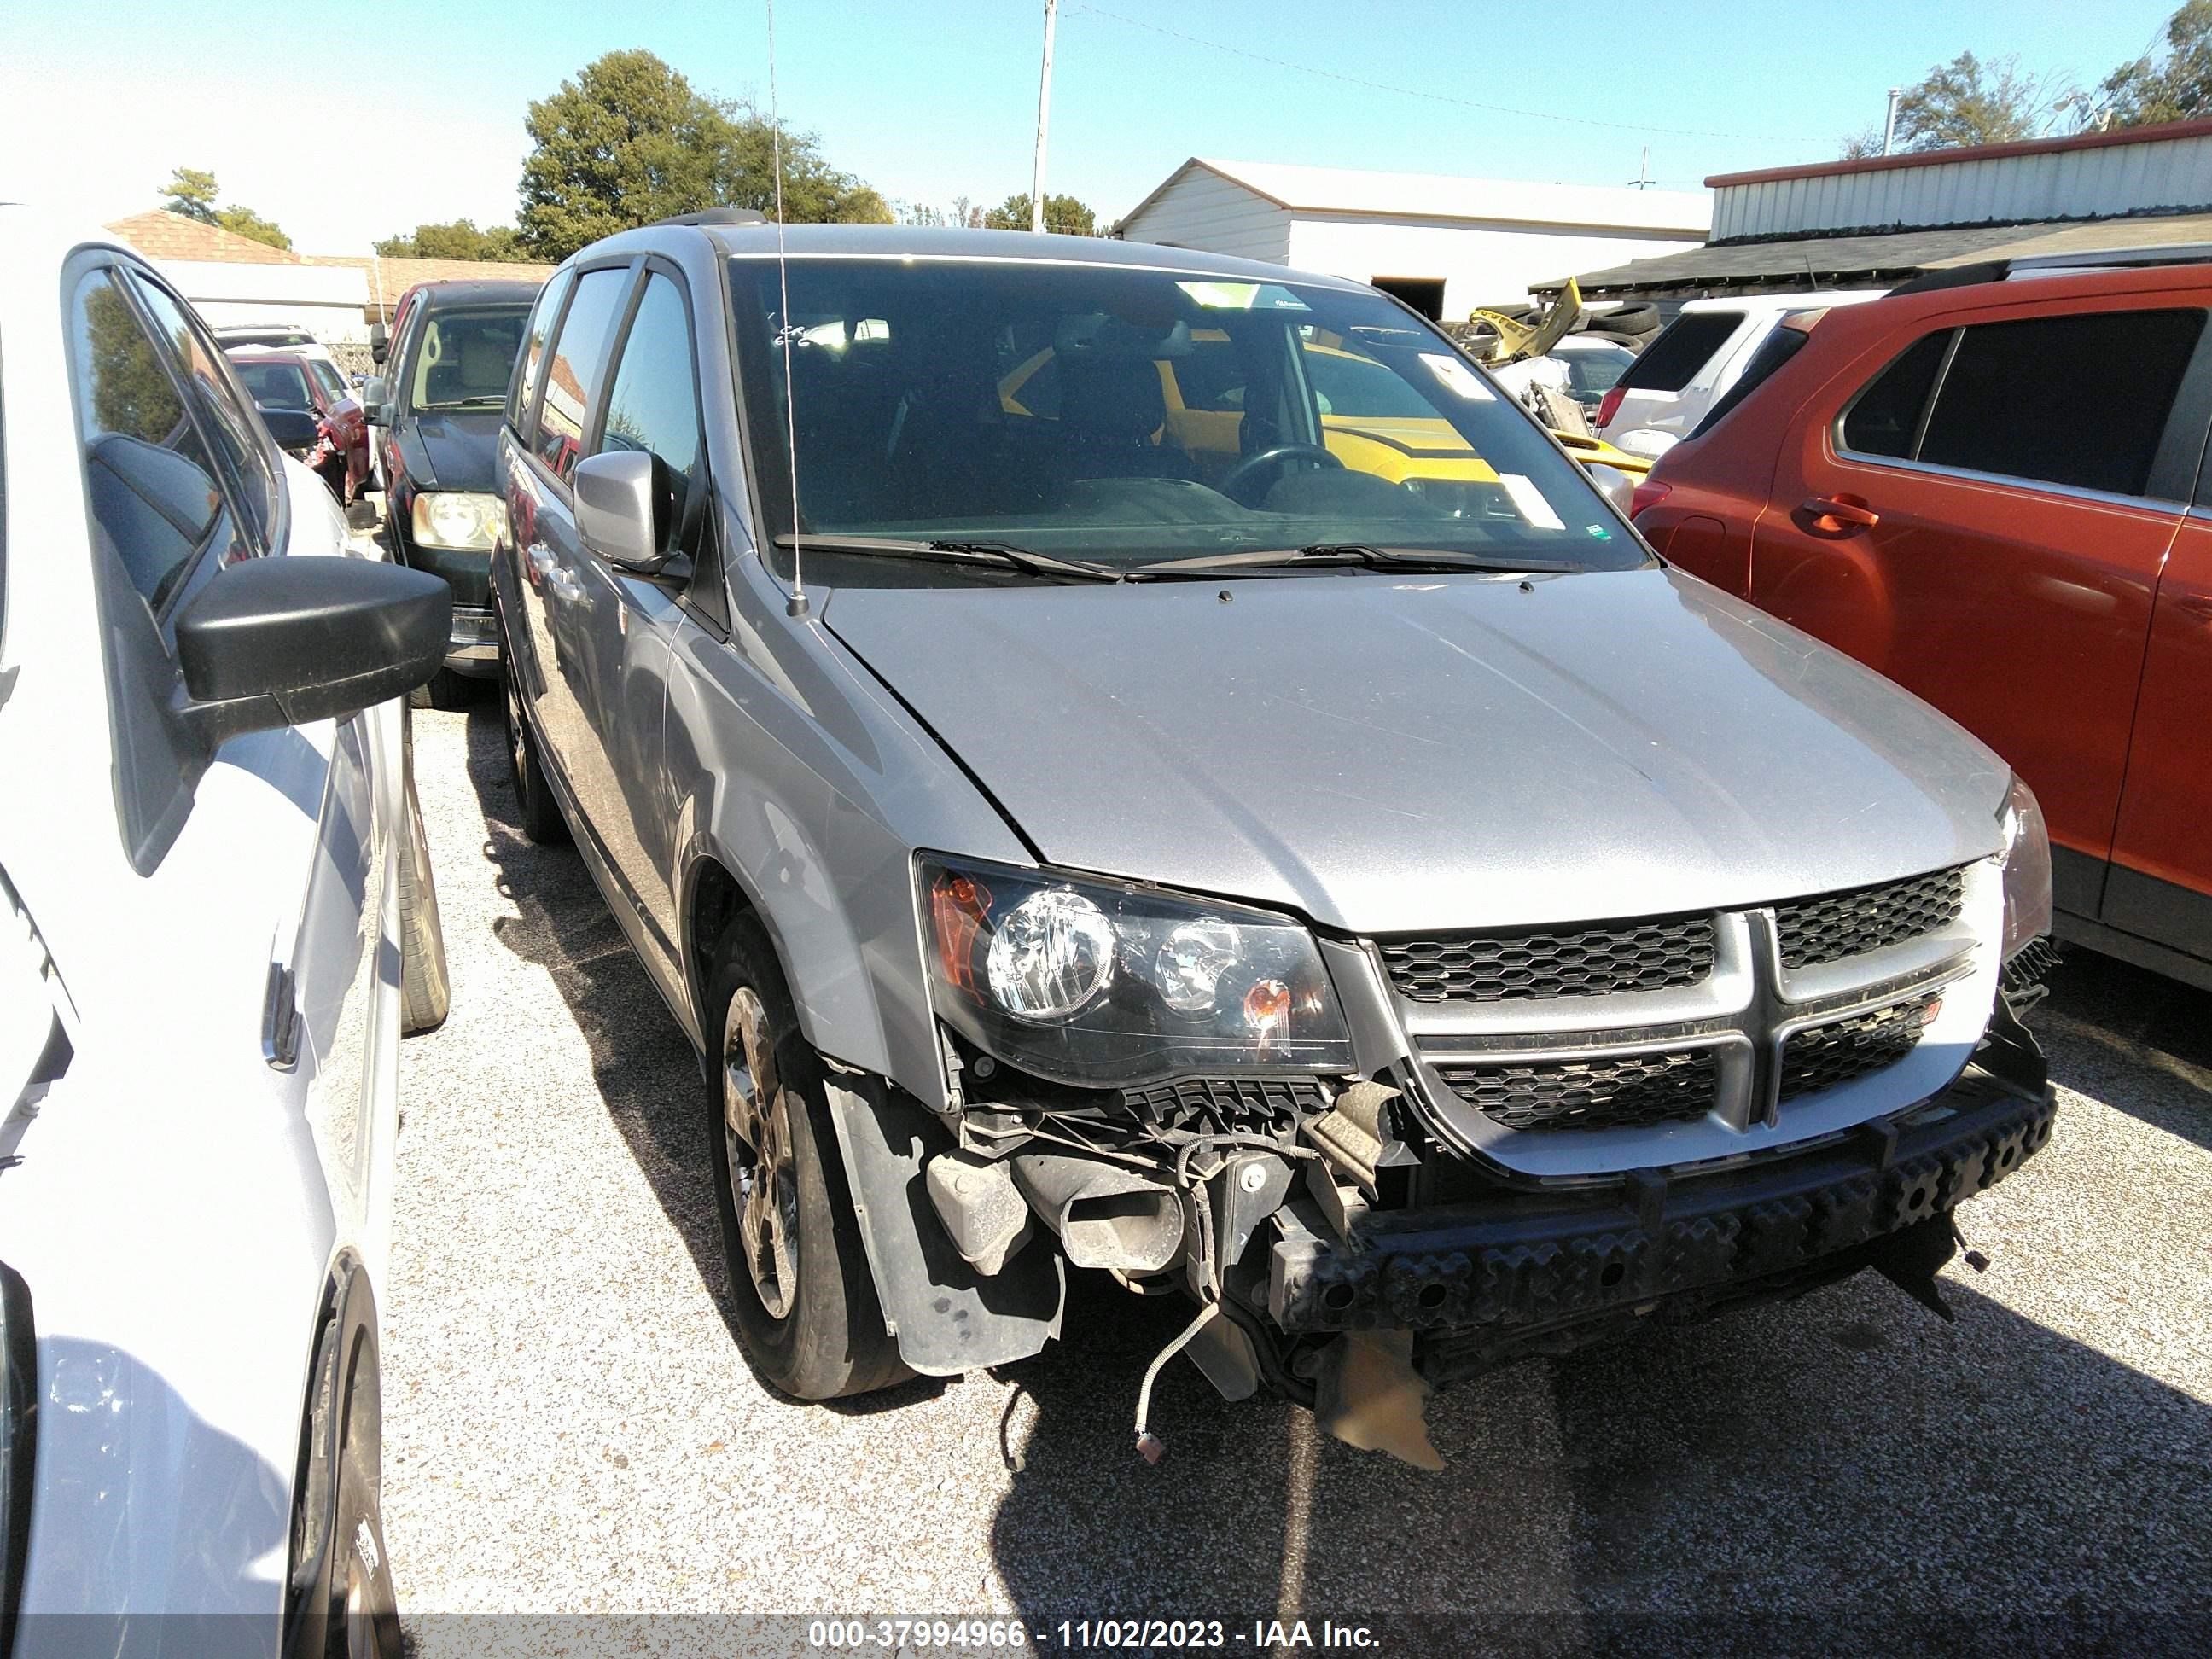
{"x": 756, "y": 1139}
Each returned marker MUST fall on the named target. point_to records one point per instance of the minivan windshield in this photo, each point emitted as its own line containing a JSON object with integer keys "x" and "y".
{"x": 1129, "y": 417}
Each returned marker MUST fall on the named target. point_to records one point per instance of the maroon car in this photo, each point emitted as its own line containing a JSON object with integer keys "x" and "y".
{"x": 285, "y": 379}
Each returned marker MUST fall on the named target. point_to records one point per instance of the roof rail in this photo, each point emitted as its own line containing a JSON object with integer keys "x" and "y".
{"x": 718, "y": 215}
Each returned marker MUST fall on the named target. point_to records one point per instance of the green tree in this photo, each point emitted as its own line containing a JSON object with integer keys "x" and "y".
{"x": 191, "y": 193}
{"x": 460, "y": 239}
{"x": 630, "y": 140}
{"x": 2178, "y": 89}
{"x": 130, "y": 391}
{"x": 1064, "y": 216}
{"x": 244, "y": 222}
{"x": 1967, "y": 102}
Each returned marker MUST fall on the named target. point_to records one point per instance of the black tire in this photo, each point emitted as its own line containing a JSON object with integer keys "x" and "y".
{"x": 534, "y": 810}
{"x": 444, "y": 690}
{"x": 344, "y": 1605}
{"x": 426, "y": 993}
{"x": 827, "y": 1340}
{"x": 1636, "y": 319}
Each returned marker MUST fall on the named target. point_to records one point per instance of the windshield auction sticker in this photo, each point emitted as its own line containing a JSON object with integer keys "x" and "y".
{"x": 1457, "y": 377}
{"x": 1244, "y": 297}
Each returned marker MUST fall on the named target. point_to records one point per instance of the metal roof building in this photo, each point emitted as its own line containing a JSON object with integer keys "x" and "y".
{"x": 1441, "y": 243}
{"x": 1886, "y": 219}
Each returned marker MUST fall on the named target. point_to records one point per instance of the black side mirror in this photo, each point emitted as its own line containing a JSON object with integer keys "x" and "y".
{"x": 291, "y": 428}
{"x": 379, "y": 343}
{"x": 285, "y": 640}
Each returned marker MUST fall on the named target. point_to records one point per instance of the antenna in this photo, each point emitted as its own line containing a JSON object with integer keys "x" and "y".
{"x": 796, "y": 605}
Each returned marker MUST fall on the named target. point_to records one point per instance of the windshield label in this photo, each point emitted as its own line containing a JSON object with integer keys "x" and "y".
{"x": 1457, "y": 377}
{"x": 1530, "y": 500}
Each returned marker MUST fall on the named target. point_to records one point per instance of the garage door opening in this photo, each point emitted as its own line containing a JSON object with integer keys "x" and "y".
{"x": 1425, "y": 294}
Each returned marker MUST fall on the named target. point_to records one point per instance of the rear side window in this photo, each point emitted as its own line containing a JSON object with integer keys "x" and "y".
{"x": 1685, "y": 346}
{"x": 543, "y": 316}
{"x": 1775, "y": 349}
{"x": 2080, "y": 400}
{"x": 275, "y": 385}
{"x": 572, "y": 375}
{"x": 1885, "y": 418}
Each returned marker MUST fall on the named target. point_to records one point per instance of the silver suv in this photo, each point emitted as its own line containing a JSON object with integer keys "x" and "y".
{"x": 1182, "y": 778}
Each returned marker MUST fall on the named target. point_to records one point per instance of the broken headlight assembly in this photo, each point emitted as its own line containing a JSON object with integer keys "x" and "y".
{"x": 1095, "y": 983}
{"x": 2026, "y": 859}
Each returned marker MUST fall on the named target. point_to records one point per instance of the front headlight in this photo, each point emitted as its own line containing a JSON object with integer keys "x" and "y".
{"x": 462, "y": 522}
{"x": 2026, "y": 857}
{"x": 1092, "y": 982}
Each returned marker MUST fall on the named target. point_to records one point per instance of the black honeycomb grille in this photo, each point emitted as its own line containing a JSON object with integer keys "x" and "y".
{"x": 1627, "y": 1092}
{"x": 1835, "y": 926}
{"x": 1213, "y": 1104}
{"x": 1589, "y": 962}
{"x": 1829, "y": 1055}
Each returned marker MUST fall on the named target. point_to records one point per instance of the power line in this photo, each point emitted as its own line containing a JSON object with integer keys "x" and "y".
{"x": 1416, "y": 92}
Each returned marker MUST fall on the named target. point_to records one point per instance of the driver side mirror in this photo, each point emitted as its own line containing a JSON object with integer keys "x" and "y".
{"x": 618, "y": 495}
{"x": 379, "y": 343}
{"x": 286, "y": 640}
{"x": 291, "y": 428}
{"x": 374, "y": 401}
{"x": 1613, "y": 483}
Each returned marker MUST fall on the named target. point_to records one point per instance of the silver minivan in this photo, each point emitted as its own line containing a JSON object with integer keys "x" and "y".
{"x": 1094, "y": 804}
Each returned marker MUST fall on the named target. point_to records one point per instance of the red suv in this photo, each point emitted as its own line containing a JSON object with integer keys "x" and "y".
{"x": 1992, "y": 487}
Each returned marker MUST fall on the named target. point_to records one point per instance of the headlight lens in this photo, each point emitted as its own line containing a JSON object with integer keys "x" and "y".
{"x": 2026, "y": 856}
{"x": 462, "y": 522}
{"x": 1093, "y": 982}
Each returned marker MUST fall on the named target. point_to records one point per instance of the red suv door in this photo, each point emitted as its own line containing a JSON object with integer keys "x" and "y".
{"x": 1981, "y": 512}
{"x": 2160, "y": 886}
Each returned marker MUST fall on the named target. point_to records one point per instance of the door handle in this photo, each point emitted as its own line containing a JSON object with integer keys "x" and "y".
{"x": 553, "y": 575}
{"x": 1841, "y": 514}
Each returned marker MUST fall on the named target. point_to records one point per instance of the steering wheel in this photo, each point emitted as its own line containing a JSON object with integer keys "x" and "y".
{"x": 1234, "y": 480}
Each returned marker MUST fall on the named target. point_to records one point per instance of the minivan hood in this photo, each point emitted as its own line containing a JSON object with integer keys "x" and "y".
{"x": 1390, "y": 753}
{"x": 460, "y": 447}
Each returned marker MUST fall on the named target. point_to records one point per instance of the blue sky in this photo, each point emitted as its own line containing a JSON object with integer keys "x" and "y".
{"x": 363, "y": 120}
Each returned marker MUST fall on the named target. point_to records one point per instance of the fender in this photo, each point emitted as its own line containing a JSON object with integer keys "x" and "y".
{"x": 947, "y": 1317}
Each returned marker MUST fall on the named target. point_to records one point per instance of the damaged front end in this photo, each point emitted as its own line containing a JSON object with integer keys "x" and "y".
{"x": 1373, "y": 1178}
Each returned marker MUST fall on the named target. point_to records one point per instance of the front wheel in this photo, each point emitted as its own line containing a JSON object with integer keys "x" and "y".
{"x": 805, "y": 1305}
{"x": 536, "y": 810}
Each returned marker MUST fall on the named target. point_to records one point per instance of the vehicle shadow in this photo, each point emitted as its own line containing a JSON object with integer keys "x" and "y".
{"x": 2135, "y": 1040}
{"x": 643, "y": 1064}
{"x": 1843, "y": 1473}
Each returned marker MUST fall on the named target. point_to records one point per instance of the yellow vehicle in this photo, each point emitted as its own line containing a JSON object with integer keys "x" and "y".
{"x": 1372, "y": 421}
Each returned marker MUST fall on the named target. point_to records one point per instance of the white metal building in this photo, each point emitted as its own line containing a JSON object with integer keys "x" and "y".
{"x": 1444, "y": 244}
{"x": 1885, "y": 220}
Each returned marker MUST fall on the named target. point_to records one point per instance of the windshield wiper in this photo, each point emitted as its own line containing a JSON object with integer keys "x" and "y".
{"x": 1001, "y": 555}
{"x": 1341, "y": 553}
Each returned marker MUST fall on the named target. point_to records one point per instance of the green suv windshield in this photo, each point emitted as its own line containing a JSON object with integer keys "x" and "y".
{"x": 466, "y": 358}
{"x": 1128, "y": 417}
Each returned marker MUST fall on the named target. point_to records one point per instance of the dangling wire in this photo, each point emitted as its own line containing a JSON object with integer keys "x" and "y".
{"x": 797, "y": 605}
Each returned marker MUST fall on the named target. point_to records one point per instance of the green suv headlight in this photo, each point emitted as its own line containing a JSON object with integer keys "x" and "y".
{"x": 1094, "y": 982}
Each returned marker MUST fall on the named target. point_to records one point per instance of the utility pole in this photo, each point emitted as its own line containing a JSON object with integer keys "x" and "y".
{"x": 1889, "y": 121}
{"x": 1044, "y": 120}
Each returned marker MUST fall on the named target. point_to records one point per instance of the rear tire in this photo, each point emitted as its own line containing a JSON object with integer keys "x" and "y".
{"x": 536, "y": 810}
{"x": 426, "y": 993}
{"x": 444, "y": 690}
{"x": 803, "y": 1302}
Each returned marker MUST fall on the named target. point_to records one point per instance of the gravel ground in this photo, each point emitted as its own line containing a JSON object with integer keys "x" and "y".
{"x": 569, "y": 1427}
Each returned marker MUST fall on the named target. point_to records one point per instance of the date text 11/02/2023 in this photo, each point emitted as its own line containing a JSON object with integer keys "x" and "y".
{"x": 1261, "y": 1635}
